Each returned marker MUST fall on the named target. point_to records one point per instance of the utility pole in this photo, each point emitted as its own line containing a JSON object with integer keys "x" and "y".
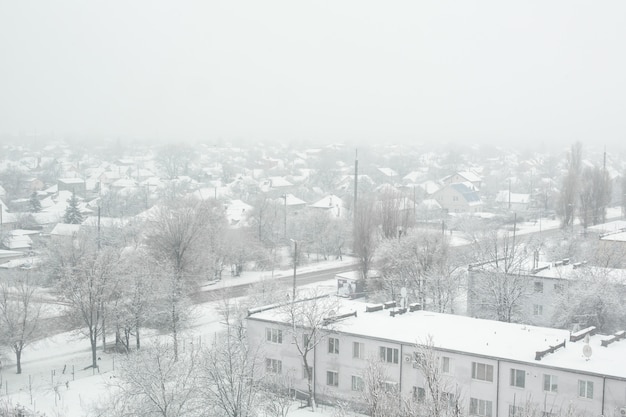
{"x": 295, "y": 262}
{"x": 356, "y": 186}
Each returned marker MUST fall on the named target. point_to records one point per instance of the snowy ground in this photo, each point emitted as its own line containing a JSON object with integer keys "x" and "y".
{"x": 55, "y": 379}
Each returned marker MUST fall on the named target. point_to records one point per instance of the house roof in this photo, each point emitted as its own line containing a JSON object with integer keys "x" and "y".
{"x": 292, "y": 200}
{"x": 479, "y": 337}
{"x": 466, "y": 192}
{"x": 64, "y": 229}
{"x": 516, "y": 198}
{"x": 388, "y": 172}
{"x": 327, "y": 202}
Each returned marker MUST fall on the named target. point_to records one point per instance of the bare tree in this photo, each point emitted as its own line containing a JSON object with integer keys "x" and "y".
{"x": 365, "y": 235}
{"x": 421, "y": 262}
{"x": 156, "y": 382}
{"x": 595, "y": 196}
{"x": 136, "y": 297}
{"x": 309, "y": 326}
{"x": 441, "y": 395}
{"x": 175, "y": 241}
{"x": 592, "y": 298}
{"x": 19, "y": 314}
{"x": 174, "y": 160}
{"x": 571, "y": 185}
{"x": 87, "y": 284}
{"x": 497, "y": 285}
{"x": 381, "y": 399}
{"x": 230, "y": 379}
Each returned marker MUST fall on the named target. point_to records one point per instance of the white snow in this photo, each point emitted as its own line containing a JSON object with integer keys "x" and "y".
{"x": 54, "y": 379}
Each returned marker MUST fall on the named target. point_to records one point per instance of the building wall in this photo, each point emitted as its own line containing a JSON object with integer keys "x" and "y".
{"x": 609, "y": 394}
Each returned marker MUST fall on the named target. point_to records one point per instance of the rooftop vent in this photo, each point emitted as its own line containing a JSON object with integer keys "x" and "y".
{"x": 616, "y": 337}
{"x": 370, "y": 308}
{"x": 575, "y": 337}
{"x": 540, "y": 354}
{"x": 395, "y": 311}
{"x": 415, "y": 307}
{"x": 333, "y": 319}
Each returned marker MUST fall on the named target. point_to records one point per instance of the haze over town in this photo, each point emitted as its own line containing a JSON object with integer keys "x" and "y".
{"x": 257, "y": 209}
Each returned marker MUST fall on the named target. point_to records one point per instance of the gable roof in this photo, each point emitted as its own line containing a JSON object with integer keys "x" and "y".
{"x": 467, "y": 193}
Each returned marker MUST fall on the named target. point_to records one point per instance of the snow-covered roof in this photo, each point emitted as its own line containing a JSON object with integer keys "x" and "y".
{"x": 327, "y": 202}
{"x": 388, "y": 172}
{"x": 609, "y": 227}
{"x": 72, "y": 180}
{"x": 615, "y": 237}
{"x": 64, "y": 229}
{"x": 479, "y": 337}
{"x": 516, "y": 198}
{"x": 292, "y": 201}
{"x": 430, "y": 204}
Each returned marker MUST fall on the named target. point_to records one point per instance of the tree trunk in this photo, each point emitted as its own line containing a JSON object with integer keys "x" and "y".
{"x": 18, "y": 360}
{"x": 137, "y": 335}
{"x": 94, "y": 347}
{"x": 175, "y": 331}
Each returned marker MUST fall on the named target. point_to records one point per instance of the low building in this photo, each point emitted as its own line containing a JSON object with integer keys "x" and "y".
{"x": 495, "y": 368}
{"x": 459, "y": 198}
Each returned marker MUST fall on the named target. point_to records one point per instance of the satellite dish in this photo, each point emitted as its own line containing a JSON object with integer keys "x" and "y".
{"x": 587, "y": 351}
{"x": 403, "y": 291}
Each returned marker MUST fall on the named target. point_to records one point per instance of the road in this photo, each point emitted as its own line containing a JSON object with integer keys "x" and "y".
{"x": 287, "y": 281}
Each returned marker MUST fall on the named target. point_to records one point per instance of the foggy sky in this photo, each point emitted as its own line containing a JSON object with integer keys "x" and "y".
{"x": 478, "y": 71}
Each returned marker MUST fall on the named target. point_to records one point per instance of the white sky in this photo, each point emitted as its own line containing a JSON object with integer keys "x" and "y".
{"x": 442, "y": 70}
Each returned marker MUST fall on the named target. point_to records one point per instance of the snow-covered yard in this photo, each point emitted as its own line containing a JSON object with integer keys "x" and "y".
{"x": 57, "y": 381}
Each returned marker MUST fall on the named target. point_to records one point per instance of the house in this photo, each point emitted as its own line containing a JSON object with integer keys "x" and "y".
{"x": 491, "y": 368}
{"x": 514, "y": 202}
{"x": 74, "y": 185}
{"x": 540, "y": 286}
{"x": 331, "y": 204}
{"x": 464, "y": 176}
{"x": 459, "y": 198}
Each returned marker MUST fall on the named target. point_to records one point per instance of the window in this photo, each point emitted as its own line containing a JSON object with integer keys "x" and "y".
{"x": 482, "y": 371}
{"x": 558, "y": 288}
{"x": 333, "y": 345}
{"x": 518, "y": 378}
{"x": 419, "y": 394}
{"x": 357, "y": 383}
{"x": 305, "y": 341}
{"x": 358, "y": 350}
{"x": 273, "y": 366}
{"x": 538, "y": 286}
{"x": 390, "y": 386}
{"x": 585, "y": 389}
{"x": 389, "y": 355}
{"x": 273, "y": 335}
{"x": 449, "y": 398}
{"x": 480, "y": 407}
{"x": 332, "y": 378}
{"x": 516, "y": 411}
{"x": 304, "y": 374}
{"x": 446, "y": 365}
{"x": 537, "y": 310}
{"x": 550, "y": 383}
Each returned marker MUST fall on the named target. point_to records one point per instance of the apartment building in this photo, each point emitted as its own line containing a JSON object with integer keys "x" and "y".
{"x": 539, "y": 287}
{"x": 494, "y": 368}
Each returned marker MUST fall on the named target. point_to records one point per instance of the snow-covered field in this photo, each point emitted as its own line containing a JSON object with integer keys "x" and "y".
{"x": 55, "y": 379}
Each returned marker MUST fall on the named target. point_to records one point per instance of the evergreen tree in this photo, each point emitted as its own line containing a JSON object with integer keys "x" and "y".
{"x": 72, "y": 213}
{"x": 35, "y": 204}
